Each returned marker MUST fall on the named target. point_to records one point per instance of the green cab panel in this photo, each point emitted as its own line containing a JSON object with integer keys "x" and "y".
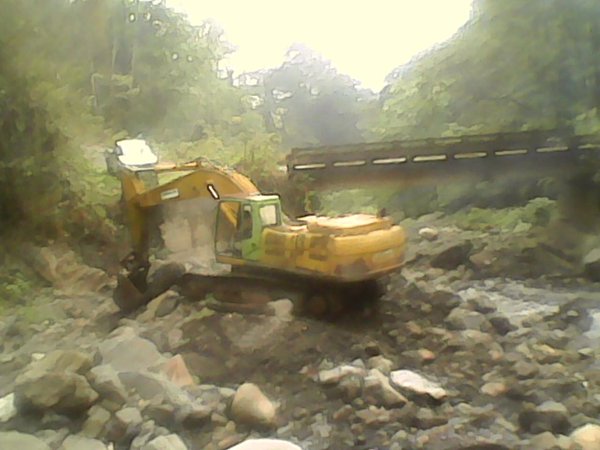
{"x": 240, "y": 224}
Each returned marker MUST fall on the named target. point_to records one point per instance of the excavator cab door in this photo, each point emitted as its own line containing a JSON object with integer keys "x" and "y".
{"x": 237, "y": 231}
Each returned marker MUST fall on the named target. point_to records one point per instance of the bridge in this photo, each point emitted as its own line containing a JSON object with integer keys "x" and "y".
{"x": 409, "y": 162}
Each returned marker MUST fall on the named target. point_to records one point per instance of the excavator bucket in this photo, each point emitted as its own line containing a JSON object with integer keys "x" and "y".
{"x": 126, "y": 295}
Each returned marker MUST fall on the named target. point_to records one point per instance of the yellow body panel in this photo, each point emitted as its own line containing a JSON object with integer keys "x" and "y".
{"x": 335, "y": 253}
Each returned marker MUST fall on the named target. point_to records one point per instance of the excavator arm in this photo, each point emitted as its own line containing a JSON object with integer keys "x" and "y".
{"x": 140, "y": 174}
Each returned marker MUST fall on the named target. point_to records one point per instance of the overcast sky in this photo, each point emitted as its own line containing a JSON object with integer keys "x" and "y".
{"x": 363, "y": 39}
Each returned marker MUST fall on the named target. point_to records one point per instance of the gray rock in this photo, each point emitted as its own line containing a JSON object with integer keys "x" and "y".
{"x": 429, "y": 233}
{"x": 168, "y": 302}
{"x": 56, "y": 382}
{"x": 380, "y": 363}
{"x": 105, "y": 380}
{"x": 147, "y": 433}
{"x": 426, "y": 418}
{"x": 343, "y": 414}
{"x": 127, "y": 423}
{"x": 350, "y": 387}
{"x": 155, "y": 387}
{"x": 63, "y": 361}
{"x": 464, "y": 319}
{"x": 75, "y": 442}
{"x": 53, "y": 438}
{"x": 591, "y": 263}
{"x": 60, "y": 266}
{"x": 373, "y": 416}
{"x": 525, "y": 370}
{"x": 193, "y": 415}
{"x": 169, "y": 442}
{"x": 378, "y": 391}
{"x": 161, "y": 413}
{"x": 333, "y": 376}
{"x": 96, "y": 422}
{"x": 7, "y": 407}
{"x": 14, "y": 440}
{"x": 127, "y": 352}
{"x": 65, "y": 392}
{"x": 501, "y": 324}
{"x": 417, "y": 384}
{"x": 250, "y": 406}
{"x": 452, "y": 255}
{"x": 494, "y": 388}
{"x": 549, "y": 416}
{"x": 161, "y": 306}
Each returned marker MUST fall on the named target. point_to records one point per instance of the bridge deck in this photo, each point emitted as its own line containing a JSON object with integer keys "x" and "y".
{"x": 536, "y": 153}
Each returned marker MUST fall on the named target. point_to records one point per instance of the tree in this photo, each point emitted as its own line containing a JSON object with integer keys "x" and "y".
{"x": 307, "y": 101}
{"x": 515, "y": 65}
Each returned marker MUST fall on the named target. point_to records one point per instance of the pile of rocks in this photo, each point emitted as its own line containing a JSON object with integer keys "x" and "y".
{"x": 126, "y": 394}
{"x": 457, "y": 357}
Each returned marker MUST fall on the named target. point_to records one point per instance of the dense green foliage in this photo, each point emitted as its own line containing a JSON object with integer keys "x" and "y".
{"x": 515, "y": 65}
{"x": 77, "y": 74}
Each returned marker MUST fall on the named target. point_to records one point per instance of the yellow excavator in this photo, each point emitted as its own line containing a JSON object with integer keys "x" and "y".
{"x": 324, "y": 263}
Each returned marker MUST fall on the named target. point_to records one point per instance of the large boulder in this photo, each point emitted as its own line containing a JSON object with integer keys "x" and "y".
{"x": 75, "y": 442}
{"x": 56, "y": 382}
{"x": 105, "y": 380}
{"x": 126, "y": 425}
{"x": 251, "y": 407}
{"x": 125, "y": 351}
{"x": 452, "y": 255}
{"x": 64, "y": 361}
{"x": 14, "y": 440}
{"x": 61, "y": 267}
{"x": 152, "y": 386}
{"x": 168, "y": 442}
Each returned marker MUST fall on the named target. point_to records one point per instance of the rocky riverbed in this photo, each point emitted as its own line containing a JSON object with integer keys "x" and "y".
{"x": 488, "y": 339}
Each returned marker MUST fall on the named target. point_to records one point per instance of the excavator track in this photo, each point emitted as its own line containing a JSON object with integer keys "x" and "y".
{"x": 251, "y": 293}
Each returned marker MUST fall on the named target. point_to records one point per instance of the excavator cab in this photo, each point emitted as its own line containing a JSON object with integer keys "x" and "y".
{"x": 240, "y": 223}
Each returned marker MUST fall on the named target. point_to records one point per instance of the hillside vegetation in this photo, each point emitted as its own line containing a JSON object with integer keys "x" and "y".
{"x": 76, "y": 75}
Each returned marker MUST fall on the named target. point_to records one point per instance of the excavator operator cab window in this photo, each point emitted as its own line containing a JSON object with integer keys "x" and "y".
{"x": 228, "y": 223}
{"x": 269, "y": 215}
{"x": 245, "y": 228}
